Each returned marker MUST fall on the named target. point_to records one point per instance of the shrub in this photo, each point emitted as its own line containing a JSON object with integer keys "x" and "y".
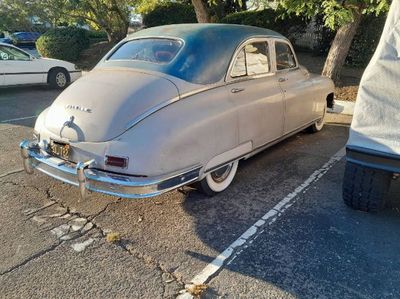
{"x": 366, "y": 40}
{"x": 97, "y": 34}
{"x": 170, "y": 13}
{"x": 63, "y": 43}
{"x": 267, "y": 18}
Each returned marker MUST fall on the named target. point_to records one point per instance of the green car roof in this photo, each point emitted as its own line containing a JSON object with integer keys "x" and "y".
{"x": 207, "y": 49}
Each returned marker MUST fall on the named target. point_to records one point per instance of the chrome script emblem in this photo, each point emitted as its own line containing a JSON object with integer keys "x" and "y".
{"x": 76, "y": 107}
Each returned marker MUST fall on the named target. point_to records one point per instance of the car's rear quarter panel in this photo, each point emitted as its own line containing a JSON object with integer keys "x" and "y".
{"x": 188, "y": 132}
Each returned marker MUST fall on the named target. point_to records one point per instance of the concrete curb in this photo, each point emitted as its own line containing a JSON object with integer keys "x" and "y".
{"x": 342, "y": 107}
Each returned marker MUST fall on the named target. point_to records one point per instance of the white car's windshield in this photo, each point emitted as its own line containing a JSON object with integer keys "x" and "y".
{"x": 154, "y": 50}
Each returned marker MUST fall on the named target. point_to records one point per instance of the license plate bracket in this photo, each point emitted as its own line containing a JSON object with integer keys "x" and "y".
{"x": 59, "y": 149}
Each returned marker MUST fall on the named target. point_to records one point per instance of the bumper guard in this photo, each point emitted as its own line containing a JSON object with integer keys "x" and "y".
{"x": 84, "y": 176}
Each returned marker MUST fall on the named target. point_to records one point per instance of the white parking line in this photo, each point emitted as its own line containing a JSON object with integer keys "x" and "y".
{"x": 237, "y": 247}
{"x": 17, "y": 119}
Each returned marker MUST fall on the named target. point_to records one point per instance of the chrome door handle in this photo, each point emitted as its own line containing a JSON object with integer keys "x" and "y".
{"x": 236, "y": 90}
{"x": 282, "y": 79}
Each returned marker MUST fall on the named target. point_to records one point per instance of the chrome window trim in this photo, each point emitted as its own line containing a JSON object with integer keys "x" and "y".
{"x": 124, "y": 41}
{"x": 250, "y": 40}
{"x": 276, "y": 40}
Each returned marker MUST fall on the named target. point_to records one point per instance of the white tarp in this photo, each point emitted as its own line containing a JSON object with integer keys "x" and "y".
{"x": 376, "y": 120}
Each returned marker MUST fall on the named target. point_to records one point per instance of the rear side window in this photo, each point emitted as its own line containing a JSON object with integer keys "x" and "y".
{"x": 155, "y": 50}
{"x": 284, "y": 56}
{"x": 253, "y": 59}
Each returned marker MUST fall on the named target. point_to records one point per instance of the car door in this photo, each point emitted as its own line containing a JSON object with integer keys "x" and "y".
{"x": 2, "y": 67}
{"x": 254, "y": 89}
{"x": 20, "y": 68}
{"x": 296, "y": 88}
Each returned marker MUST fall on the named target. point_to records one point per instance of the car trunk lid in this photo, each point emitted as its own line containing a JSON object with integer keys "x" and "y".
{"x": 99, "y": 106}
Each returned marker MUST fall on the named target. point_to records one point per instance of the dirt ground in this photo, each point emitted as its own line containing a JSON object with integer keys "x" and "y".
{"x": 346, "y": 89}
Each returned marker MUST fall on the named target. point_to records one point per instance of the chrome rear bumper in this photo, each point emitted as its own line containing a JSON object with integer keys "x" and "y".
{"x": 85, "y": 177}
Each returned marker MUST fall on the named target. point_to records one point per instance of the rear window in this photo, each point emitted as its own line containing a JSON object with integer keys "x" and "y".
{"x": 153, "y": 50}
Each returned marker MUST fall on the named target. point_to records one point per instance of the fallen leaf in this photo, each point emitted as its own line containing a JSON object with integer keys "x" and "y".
{"x": 113, "y": 237}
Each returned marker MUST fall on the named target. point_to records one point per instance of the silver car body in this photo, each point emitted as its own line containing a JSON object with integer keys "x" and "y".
{"x": 171, "y": 130}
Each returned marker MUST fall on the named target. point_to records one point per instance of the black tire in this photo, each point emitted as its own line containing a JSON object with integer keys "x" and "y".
{"x": 365, "y": 188}
{"x": 58, "y": 78}
{"x": 203, "y": 187}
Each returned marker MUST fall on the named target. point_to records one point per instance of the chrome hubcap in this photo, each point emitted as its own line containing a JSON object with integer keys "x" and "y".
{"x": 61, "y": 80}
{"x": 221, "y": 174}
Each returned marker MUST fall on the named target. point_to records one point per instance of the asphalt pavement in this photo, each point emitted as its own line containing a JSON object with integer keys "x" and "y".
{"x": 52, "y": 245}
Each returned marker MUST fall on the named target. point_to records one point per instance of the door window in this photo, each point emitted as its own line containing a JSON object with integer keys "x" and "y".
{"x": 284, "y": 56}
{"x": 9, "y": 53}
{"x": 253, "y": 59}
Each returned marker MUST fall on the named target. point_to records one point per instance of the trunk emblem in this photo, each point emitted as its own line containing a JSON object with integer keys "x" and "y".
{"x": 76, "y": 107}
{"x": 69, "y": 122}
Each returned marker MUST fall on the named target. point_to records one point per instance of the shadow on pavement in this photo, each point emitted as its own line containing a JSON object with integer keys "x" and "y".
{"x": 319, "y": 248}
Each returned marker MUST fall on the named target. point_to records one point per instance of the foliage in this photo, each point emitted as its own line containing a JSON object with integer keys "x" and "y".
{"x": 324, "y": 36}
{"x": 366, "y": 40}
{"x": 170, "y": 13}
{"x": 267, "y": 18}
{"x": 97, "y": 34}
{"x": 63, "y": 43}
{"x": 14, "y": 15}
{"x": 111, "y": 16}
{"x": 336, "y": 13}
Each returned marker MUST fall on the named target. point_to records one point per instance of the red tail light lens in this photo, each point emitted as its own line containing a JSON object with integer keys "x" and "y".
{"x": 117, "y": 161}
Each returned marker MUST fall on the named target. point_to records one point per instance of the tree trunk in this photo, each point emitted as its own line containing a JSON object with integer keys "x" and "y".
{"x": 202, "y": 14}
{"x": 340, "y": 48}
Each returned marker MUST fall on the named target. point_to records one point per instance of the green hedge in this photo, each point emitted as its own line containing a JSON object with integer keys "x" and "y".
{"x": 63, "y": 43}
{"x": 170, "y": 13}
{"x": 366, "y": 40}
{"x": 97, "y": 34}
{"x": 267, "y": 18}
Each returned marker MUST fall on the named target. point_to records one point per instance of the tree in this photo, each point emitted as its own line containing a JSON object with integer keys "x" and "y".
{"x": 211, "y": 10}
{"x": 345, "y": 16}
{"x": 201, "y": 9}
{"x": 14, "y": 15}
{"x": 112, "y": 16}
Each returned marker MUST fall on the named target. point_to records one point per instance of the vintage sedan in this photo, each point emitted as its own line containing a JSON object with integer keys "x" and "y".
{"x": 18, "y": 67}
{"x": 175, "y": 105}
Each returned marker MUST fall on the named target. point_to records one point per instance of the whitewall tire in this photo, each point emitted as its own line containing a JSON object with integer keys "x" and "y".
{"x": 318, "y": 125}
{"x": 218, "y": 180}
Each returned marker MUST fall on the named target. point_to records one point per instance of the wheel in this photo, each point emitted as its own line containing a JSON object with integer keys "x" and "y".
{"x": 218, "y": 180}
{"x": 58, "y": 78}
{"x": 318, "y": 125}
{"x": 365, "y": 188}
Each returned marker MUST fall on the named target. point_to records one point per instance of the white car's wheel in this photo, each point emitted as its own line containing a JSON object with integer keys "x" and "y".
{"x": 58, "y": 78}
{"x": 318, "y": 125}
{"x": 218, "y": 180}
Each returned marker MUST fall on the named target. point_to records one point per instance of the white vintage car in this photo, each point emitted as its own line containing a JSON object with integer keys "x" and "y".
{"x": 18, "y": 67}
{"x": 174, "y": 105}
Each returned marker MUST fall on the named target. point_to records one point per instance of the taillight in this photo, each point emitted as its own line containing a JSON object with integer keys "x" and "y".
{"x": 117, "y": 161}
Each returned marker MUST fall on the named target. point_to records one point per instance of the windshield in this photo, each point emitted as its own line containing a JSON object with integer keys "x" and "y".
{"x": 153, "y": 50}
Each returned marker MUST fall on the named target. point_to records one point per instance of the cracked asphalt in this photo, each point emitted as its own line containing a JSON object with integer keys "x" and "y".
{"x": 52, "y": 245}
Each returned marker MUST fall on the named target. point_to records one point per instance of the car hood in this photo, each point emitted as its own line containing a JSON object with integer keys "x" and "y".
{"x": 57, "y": 63}
{"x": 101, "y": 105}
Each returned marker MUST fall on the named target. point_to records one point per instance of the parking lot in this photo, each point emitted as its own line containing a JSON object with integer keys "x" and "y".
{"x": 280, "y": 231}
